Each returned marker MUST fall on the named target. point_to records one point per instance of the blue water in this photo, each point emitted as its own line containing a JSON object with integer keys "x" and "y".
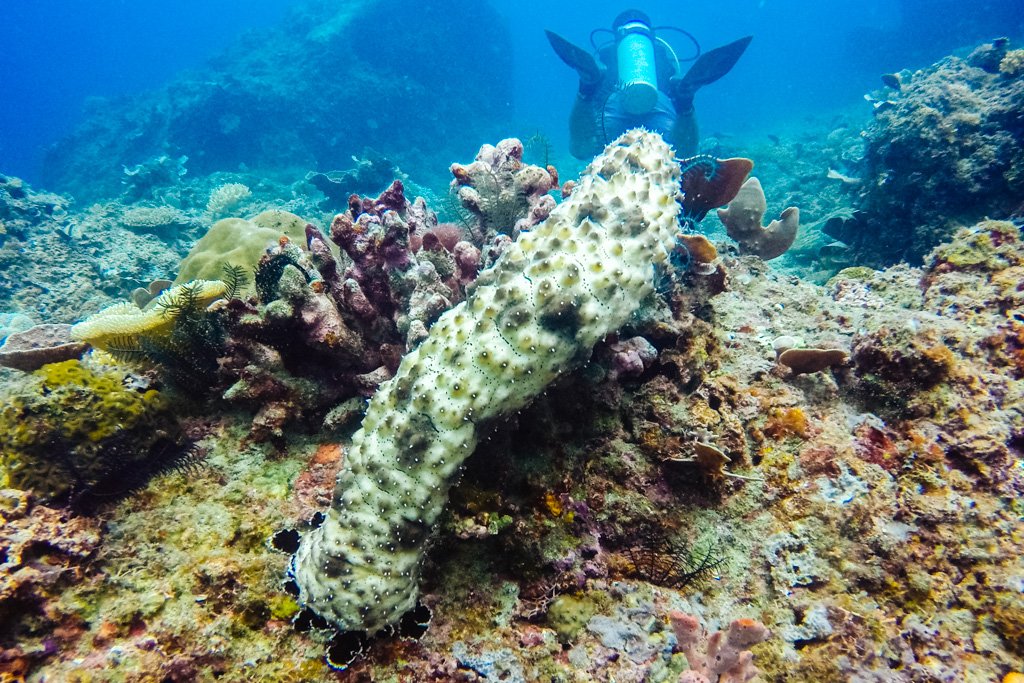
{"x": 807, "y": 58}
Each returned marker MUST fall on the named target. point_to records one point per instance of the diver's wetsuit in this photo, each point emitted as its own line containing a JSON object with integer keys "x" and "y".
{"x": 598, "y": 116}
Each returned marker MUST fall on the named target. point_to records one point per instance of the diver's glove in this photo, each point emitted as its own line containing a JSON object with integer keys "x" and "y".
{"x": 590, "y": 72}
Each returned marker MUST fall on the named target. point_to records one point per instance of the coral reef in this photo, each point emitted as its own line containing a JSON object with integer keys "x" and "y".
{"x": 839, "y": 462}
{"x": 227, "y": 198}
{"x": 944, "y": 150}
{"x": 238, "y": 242}
{"x": 163, "y": 220}
{"x": 57, "y": 264}
{"x": 43, "y": 551}
{"x": 81, "y": 433}
{"x": 371, "y": 173}
{"x": 876, "y": 534}
{"x": 406, "y": 270}
{"x": 504, "y": 195}
{"x": 552, "y": 295}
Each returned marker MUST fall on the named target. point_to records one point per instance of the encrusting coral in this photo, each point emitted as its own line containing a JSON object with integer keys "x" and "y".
{"x": 742, "y": 220}
{"x": 76, "y": 430}
{"x": 535, "y": 315}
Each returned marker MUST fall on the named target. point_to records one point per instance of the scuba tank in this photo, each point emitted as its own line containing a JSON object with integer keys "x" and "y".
{"x": 634, "y": 51}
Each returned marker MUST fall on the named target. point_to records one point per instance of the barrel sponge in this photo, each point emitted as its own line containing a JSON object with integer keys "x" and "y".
{"x": 115, "y": 324}
{"x": 535, "y": 316}
{"x": 239, "y": 242}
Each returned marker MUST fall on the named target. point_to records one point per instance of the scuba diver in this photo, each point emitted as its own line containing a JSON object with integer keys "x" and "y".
{"x": 636, "y": 80}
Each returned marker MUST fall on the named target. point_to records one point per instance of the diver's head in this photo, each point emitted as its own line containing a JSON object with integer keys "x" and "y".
{"x": 631, "y": 16}
{"x": 634, "y": 47}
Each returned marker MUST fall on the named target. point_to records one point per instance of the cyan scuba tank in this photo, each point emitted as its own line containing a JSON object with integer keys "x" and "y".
{"x": 634, "y": 51}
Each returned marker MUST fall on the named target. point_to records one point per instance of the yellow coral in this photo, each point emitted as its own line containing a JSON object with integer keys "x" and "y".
{"x": 119, "y": 407}
{"x": 125, "y": 320}
{"x": 66, "y": 432}
{"x": 553, "y": 505}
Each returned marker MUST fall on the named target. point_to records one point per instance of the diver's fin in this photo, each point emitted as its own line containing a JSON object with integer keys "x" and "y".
{"x": 576, "y": 57}
{"x": 711, "y": 66}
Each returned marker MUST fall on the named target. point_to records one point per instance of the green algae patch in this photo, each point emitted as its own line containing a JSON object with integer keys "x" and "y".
{"x": 282, "y": 607}
{"x": 568, "y": 615}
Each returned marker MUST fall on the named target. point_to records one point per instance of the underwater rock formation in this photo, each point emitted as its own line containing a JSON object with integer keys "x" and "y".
{"x": 327, "y": 82}
{"x": 535, "y": 315}
{"x": 944, "y": 150}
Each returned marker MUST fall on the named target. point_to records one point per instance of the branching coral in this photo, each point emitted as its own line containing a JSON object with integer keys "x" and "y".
{"x": 227, "y": 198}
{"x": 406, "y": 269}
{"x": 504, "y": 194}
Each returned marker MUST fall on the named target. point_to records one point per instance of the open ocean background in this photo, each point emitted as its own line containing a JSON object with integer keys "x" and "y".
{"x": 807, "y": 58}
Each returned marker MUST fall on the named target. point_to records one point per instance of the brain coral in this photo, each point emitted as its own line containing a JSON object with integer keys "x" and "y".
{"x": 238, "y": 242}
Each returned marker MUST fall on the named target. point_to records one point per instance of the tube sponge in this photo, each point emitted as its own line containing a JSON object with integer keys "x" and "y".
{"x": 534, "y": 316}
